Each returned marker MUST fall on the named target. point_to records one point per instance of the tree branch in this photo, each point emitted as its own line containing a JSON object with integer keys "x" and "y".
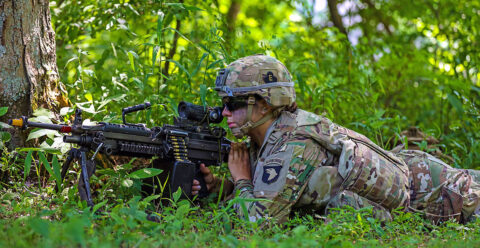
{"x": 335, "y": 16}
{"x": 379, "y": 15}
{"x": 231, "y": 18}
{"x": 173, "y": 49}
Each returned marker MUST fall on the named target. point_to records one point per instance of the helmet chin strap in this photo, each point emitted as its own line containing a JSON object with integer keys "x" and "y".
{"x": 249, "y": 125}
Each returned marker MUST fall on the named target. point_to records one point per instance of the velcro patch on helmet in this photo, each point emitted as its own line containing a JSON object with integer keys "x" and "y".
{"x": 269, "y": 75}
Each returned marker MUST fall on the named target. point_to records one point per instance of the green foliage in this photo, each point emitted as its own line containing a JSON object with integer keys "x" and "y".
{"x": 4, "y": 136}
{"x": 183, "y": 224}
{"x": 421, "y": 70}
{"x": 413, "y": 63}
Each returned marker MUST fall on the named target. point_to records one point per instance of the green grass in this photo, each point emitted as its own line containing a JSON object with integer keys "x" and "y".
{"x": 33, "y": 215}
{"x": 113, "y": 54}
{"x": 33, "y": 220}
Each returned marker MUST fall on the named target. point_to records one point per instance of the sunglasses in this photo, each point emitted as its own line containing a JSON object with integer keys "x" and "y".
{"x": 233, "y": 104}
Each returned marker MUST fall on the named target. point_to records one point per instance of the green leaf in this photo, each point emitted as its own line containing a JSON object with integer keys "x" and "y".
{"x": 181, "y": 67}
{"x": 89, "y": 109}
{"x": 4, "y": 125}
{"x": 5, "y": 136}
{"x": 44, "y": 112}
{"x": 151, "y": 198}
{"x": 154, "y": 55}
{"x": 191, "y": 7}
{"x": 3, "y": 110}
{"x": 65, "y": 110}
{"x": 475, "y": 88}
{"x": 199, "y": 64}
{"x": 214, "y": 63}
{"x": 139, "y": 83}
{"x": 42, "y": 132}
{"x": 46, "y": 164}
{"x": 127, "y": 183}
{"x": 161, "y": 15}
{"x": 56, "y": 172}
{"x": 69, "y": 61}
{"x": 184, "y": 37}
{"x": 145, "y": 173}
{"x": 40, "y": 226}
{"x": 99, "y": 205}
{"x": 182, "y": 211}
{"x": 175, "y": 6}
{"x": 36, "y": 149}
{"x": 203, "y": 94}
{"x": 28, "y": 165}
{"x": 177, "y": 195}
{"x": 456, "y": 103}
{"x": 42, "y": 119}
{"x": 130, "y": 57}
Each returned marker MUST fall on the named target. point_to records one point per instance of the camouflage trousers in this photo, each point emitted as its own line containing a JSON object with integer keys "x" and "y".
{"x": 437, "y": 190}
{"x": 440, "y": 191}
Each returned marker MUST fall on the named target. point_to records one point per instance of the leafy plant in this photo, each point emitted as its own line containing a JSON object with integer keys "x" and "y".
{"x": 4, "y": 136}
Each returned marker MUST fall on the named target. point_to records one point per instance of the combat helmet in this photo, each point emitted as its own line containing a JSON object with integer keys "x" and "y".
{"x": 256, "y": 75}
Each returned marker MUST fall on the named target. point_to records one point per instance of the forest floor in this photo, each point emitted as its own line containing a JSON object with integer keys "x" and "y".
{"x": 33, "y": 216}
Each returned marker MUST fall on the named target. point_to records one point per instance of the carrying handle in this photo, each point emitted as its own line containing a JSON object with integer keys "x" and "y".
{"x": 135, "y": 108}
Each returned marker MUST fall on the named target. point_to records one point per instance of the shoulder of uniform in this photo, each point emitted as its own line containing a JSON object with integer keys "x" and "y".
{"x": 305, "y": 118}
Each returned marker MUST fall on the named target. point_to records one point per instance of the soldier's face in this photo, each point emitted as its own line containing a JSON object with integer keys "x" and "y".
{"x": 236, "y": 113}
{"x": 235, "y": 118}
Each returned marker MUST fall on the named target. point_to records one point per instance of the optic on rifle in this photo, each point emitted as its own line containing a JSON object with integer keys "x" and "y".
{"x": 199, "y": 113}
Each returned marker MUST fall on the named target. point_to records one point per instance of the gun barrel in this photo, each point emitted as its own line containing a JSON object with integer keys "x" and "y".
{"x": 24, "y": 123}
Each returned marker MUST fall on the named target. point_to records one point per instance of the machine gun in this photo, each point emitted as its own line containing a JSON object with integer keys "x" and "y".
{"x": 190, "y": 141}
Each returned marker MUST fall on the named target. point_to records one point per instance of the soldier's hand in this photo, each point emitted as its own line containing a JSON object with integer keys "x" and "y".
{"x": 239, "y": 162}
{"x": 209, "y": 180}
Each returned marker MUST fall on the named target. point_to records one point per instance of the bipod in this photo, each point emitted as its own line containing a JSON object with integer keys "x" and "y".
{"x": 87, "y": 169}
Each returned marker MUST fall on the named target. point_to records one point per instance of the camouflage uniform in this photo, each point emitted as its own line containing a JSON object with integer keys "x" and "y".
{"x": 309, "y": 162}
{"x": 293, "y": 170}
{"x": 440, "y": 191}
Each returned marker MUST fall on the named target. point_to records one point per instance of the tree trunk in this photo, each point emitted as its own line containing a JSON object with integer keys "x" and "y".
{"x": 335, "y": 16}
{"x": 231, "y": 19}
{"x": 29, "y": 76}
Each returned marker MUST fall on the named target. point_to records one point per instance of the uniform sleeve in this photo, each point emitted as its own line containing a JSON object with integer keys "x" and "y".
{"x": 279, "y": 180}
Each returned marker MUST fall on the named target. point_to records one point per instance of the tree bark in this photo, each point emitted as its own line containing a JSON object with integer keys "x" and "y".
{"x": 335, "y": 16}
{"x": 173, "y": 49}
{"x": 231, "y": 19}
{"x": 29, "y": 76}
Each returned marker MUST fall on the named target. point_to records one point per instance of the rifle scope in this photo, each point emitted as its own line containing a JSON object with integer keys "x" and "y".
{"x": 199, "y": 113}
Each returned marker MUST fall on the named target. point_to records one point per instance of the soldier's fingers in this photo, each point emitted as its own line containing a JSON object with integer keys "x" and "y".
{"x": 204, "y": 169}
{"x": 243, "y": 151}
{"x": 234, "y": 151}
{"x": 230, "y": 154}
{"x": 209, "y": 178}
{"x": 194, "y": 192}
{"x": 196, "y": 182}
{"x": 196, "y": 188}
{"x": 207, "y": 174}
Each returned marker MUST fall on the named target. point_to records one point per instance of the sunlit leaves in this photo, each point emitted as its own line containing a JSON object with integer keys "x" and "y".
{"x": 145, "y": 173}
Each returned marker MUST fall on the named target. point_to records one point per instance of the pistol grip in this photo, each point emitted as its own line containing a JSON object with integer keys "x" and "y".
{"x": 200, "y": 177}
{"x": 183, "y": 173}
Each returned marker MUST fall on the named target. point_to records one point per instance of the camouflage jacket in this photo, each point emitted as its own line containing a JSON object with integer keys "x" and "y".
{"x": 308, "y": 162}
{"x": 293, "y": 170}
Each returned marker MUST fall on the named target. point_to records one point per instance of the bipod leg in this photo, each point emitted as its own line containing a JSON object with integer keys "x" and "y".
{"x": 84, "y": 183}
{"x": 72, "y": 154}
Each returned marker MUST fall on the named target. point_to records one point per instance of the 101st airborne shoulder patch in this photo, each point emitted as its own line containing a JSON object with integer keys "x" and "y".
{"x": 271, "y": 173}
